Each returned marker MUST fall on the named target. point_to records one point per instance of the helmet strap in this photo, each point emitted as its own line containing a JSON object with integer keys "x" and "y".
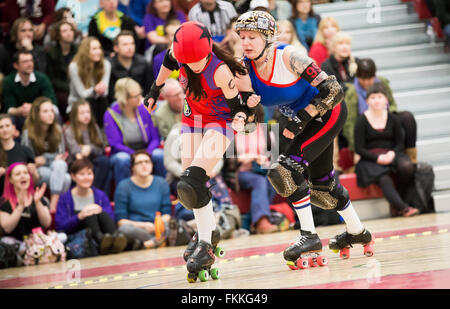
{"x": 262, "y": 53}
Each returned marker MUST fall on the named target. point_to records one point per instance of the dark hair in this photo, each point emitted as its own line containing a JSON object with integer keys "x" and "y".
{"x": 55, "y": 34}
{"x": 21, "y": 51}
{"x": 139, "y": 152}
{"x": 151, "y": 10}
{"x": 80, "y": 164}
{"x": 376, "y": 88}
{"x": 366, "y": 68}
{"x": 3, "y": 154}
{"x": 194, "y": 82}
{"x": 294, "y": 9}
{"x": 59, "y": 14}
{"x": 123, "y": 33}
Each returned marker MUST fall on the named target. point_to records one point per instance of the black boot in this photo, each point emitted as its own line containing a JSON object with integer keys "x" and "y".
{"x": 202, "y": 258}
{"x": 215, "y": 238}
{"x": 306, "y": 242}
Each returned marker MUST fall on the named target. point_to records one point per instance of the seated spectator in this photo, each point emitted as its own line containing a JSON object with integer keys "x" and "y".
{"x": 84, "y": 140}
{"x": 12, "y": 152}
{"x": 135, "y": 9}
{"x": 85, "y": 11}
{"x": 5, "y": 64}
{"x": 129, "y": 127}
{"x": 442, "y": 9}
{"x": 254, "y": 162}
{"x": 170, "y": 27}
{"x": 286, "y": 34}
{"x": 305, "y": 21}
{"x": 216, "y": 15}
{"x": 107, "y": 24}
{"x": 169, "y": 111}
{"x": 320, "y": 48}
{"x": 22, "y": 87}
{"x": 157, "y": 14}
{"x": 22, "y": 36}
{"x": 356, "y": 105}
{"x": 85, "y": 206}
{"x": 44, "y": 137}
{"x": 59, "y": 57}
{"x": 341, "y": 63}
{"x": 126, "y": 63}
{"x": 40, "y": 13}
{"x": 22, "y": 208}
{"x": 379, "y": 142}
{"x": 138, "y": 198}
{"x": 89, "y": 74}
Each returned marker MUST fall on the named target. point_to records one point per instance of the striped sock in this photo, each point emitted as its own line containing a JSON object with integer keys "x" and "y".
{"x": 304, "y": 213}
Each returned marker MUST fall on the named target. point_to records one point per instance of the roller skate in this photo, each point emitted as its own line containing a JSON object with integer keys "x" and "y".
{"x": 305, "y": 252}
{"x": 215, "y": 238}
{"x": 343, "y": 242}
{"x": 200, "y": 262}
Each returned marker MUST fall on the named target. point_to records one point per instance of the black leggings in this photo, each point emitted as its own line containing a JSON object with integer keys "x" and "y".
{"x": 315, "y": 143}
{"x": 404, "y": 170}
{"x": 99, "y": 224}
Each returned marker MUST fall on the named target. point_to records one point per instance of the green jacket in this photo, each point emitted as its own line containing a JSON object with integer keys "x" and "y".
{"x": 15, "y": 94}
{"x": 351, "y": 100}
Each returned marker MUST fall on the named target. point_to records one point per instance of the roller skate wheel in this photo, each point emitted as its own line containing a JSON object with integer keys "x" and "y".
{"x": 302, "y": 263}
{"x": 312, "y": 262}
{"x": 214, "y": 272}
{"x": 368, "y": 250}
{"x": 345, "y": 253}
{"x": 203, "y": 275}
{"x": 292, "y": 265}
{"x": 322, "y": 261}
{"x": 219, "y": 252}
{"x": 191, "y": 278}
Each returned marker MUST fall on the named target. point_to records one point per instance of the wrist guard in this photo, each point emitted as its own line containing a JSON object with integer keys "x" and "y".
{"x": 330, "y": 94}
{"x": 154, "y": 93}
{"x": 298, "y": 123}
{"x": 170, "y": 62}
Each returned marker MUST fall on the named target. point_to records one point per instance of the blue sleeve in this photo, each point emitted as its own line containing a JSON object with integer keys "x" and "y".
{"x": 121, "y": 200}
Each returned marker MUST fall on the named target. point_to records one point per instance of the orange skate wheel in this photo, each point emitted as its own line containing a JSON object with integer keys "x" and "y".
{"x": 345, "y": 253}
{"x": 322, "y": 261}
{"x": 368, "y": 250}
{"x": 302, "y": 263}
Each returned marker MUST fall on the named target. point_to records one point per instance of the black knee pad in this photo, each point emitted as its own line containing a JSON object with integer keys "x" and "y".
{"x": 329, "y": 194}
{"x": 192, "y": 190}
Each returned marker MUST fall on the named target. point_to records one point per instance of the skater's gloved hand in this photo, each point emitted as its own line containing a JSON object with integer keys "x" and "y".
{"x": 297, "y": 124}
{"x": 238, "y": 123}
{"x": 152, "y": 96}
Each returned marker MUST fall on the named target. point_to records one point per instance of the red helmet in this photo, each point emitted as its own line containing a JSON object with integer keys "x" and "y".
{"x": 192, "y": 42}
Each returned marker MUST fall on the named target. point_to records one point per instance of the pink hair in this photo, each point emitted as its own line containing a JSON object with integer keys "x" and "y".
{"x": 9, "y": 193}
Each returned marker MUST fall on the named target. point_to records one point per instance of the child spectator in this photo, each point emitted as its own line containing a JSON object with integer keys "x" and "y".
{"x": 129, "y": 127}
{"x": 379, "y": 141}
{"x": 305, "y": 21}
{"x": 107, "y": 24}
{"x": 320, "y": 48}
{"x": 59, "y": 57}
{"x": 83, "y": 10}
{"x": 44, "y": 136}
{"x": 85, "y": 141}
{"x": 85, "y": 206}
{"x": 158, "y": 12}
{"x": 138, "y": 198}
{"x": 23, "y": 208}
{"x": 89, "y": 74}
{"x": 12, "y": 152}
{"x": 22, "y": 87}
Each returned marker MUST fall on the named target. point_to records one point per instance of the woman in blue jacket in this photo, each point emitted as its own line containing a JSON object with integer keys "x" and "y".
{"x": 84, "y": 206}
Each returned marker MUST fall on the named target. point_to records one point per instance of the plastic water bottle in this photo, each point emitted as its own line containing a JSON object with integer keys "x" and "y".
{"x": 431, "y": 34}
{"x": 159, "y": 226}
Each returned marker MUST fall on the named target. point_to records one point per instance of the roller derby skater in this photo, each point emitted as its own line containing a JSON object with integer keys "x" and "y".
{"x": 213, "y": 111}
{"x": 310, "y": 102}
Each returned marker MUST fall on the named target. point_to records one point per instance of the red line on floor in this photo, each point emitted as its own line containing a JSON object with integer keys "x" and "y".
{"x": 176, "y": 261}
{"x": 434, "y": 279}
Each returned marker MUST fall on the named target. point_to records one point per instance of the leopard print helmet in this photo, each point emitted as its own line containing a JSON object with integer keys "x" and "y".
{"x": 259, "y": 21}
